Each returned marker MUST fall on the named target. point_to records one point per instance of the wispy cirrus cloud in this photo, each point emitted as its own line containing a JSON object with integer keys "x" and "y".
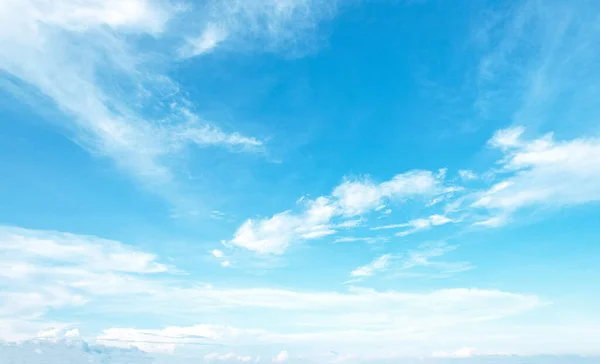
{"x": 542, "y": 172}
{"x": 83, "y": 56}
{"x": 417, "y": 224}
{"x": 274, "y": 24}
{"x": 417, "y": 262}
{"x": 538, "y": 66}
{"x": 378, "y": 264}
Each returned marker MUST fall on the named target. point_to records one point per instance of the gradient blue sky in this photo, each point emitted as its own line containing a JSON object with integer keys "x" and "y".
{"x": 300, "y": 180}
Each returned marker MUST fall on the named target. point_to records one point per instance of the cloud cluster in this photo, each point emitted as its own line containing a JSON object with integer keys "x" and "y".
{"x": 542, "y": 172}
{"x": 350, "y": 199}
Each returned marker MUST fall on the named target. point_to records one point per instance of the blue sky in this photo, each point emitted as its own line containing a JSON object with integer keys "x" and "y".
{"x": 299, "y": 181}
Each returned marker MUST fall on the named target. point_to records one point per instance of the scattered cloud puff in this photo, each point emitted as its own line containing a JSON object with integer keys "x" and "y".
{"x": 535, "y": 172}
{"x": 217, "y": 253}
{"x": 95, "y": 254}
{"x": 350, "y": 199}
{"x": 467, "y": 175}
{"x": 282, "y": 357}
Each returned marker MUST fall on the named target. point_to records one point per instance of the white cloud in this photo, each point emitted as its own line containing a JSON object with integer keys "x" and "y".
{"x": 274, "y": 24}
{"x": 273, "y": 235}
{"x": 542, "y": 172}
{"x": 356, "y": 197}
{"x": 295, "y": 317}
{"x": 72, "y": 333}
{"x": 379, "y": 264}
{"x": 467, "y": 175}
{"x": 217, "y": 253}
{"x": 79, "y": 55}
{"x": 282, "y": 357}
{"x": 507, "y": 138}
{"x": 93, "y": 253}
{"x": 351, "y": 198}
{"x": 210, "y": 38}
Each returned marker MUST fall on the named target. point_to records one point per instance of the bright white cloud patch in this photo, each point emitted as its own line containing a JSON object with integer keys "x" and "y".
{"x": 543, "y": 172}
{"x": 351, "y": 198}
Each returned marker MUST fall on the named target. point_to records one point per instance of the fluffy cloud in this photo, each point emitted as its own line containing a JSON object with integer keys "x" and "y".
{"x": 542, "y": 172}
{"x": 351, "y": 198}
{"x": 217, "y": 253}
{"x": 357, "y": 197}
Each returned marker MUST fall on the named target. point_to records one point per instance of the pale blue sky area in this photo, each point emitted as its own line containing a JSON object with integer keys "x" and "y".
{"x": 299, "y": 181}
